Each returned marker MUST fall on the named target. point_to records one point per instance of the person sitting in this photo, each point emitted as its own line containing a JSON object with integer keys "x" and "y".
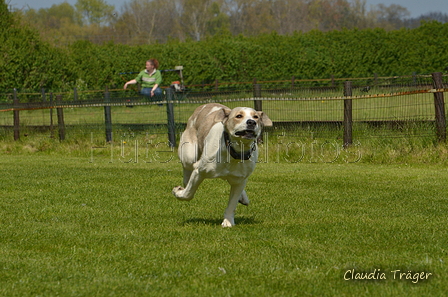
{"x": 150, "y": 79}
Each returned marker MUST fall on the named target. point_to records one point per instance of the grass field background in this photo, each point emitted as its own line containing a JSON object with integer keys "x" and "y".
{"x": 73, "y": 225}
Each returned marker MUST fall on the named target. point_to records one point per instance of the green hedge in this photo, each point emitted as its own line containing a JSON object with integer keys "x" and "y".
{"x": 348, "y": 53}
{"x": 29, "y": 63}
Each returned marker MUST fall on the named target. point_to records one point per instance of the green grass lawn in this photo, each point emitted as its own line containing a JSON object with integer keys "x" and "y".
{"x": 72, "y": 227}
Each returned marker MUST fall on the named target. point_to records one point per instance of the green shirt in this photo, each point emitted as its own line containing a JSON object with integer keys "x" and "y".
{"x": 149, "y": 80}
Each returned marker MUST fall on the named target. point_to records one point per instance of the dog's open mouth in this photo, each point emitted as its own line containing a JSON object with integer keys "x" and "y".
{"x": 249, "y": 134}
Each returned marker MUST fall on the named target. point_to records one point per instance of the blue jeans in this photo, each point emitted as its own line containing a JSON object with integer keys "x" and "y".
{"x": 157, "y": 93}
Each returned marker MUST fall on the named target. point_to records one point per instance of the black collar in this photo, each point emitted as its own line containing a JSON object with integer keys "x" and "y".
{"x": 239, "y": 156}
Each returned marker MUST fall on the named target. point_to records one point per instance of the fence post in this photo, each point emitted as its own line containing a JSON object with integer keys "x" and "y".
{"x": 51, "y": 115}
{"x": 108, "y": 115}
{"x": 258, "y": 104}
{"x": 16, "y": 116}
{"x": 75, "y": 94}
{"x": 60, "y": 113}
{"x": 348, "y": 114}
{"x": 44, "y": 98}
{"x": 170, "y": 116}
{"x": 439, "y": 104}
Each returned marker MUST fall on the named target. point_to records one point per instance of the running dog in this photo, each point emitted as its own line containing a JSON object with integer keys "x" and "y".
{"x": 220, "y": 142}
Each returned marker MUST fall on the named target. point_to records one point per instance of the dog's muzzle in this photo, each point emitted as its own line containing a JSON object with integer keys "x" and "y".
{"x": 247, "y": 134}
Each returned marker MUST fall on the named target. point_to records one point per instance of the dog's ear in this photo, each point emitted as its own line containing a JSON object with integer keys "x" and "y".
{"x": 264, "y": 119}
{"x": 222, "y": 115}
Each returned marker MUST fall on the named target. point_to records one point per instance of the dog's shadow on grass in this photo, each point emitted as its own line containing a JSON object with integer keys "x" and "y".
{"x": 217, "y": 222}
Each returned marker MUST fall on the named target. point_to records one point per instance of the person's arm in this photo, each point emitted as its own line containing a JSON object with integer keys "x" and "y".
{"x": 153, "y": 89}
{"x": 158, "y": 82}
{"x": 131, "y": 82}
{"x": 134, "y": 81}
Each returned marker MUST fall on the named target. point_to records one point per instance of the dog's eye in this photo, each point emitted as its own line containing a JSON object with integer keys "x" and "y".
{"x": 239, "y": 116}
{"x": 256, "y": 117}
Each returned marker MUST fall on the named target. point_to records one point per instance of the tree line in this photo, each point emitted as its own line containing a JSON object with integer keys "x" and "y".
{"x": 30, "y": 63}
{"x": 157, "y": 21}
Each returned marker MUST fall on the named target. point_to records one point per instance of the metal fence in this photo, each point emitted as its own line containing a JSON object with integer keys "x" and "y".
{"x": 343, "y": 110}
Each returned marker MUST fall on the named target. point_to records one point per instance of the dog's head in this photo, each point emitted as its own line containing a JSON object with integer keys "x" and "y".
{"x": 243, "y": 122}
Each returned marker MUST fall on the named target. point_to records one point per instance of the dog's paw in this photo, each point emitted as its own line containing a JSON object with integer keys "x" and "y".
{"x": 226, "y": 223}
{"x": 176, "y": 191}
{"x": 244, "y": 200}
{"x": 180, "y": 193}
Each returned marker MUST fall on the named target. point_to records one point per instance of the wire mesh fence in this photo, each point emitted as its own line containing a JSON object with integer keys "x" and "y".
{"x": 382, "y": 107}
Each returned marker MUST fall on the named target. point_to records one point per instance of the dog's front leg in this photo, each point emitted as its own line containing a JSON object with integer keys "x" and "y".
{"x": 236, "y": 191}
{"x": 188, "y": 192}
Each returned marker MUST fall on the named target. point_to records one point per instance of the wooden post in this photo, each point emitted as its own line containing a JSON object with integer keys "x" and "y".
{"x": 51, "y": 116}
{"x": 44, "y": 98}
{"x": 439, "y": 104}
{"x": 60, "y": 113}
{"x": 75, "y": 94}
{"x": 216, "y": 85}
{"x": 107, "y": 115}
{"x": 258, "y": 104}
{"x": 348, "y": 116}
{"x": 16, "y": 116}
{"x": 293, "y": 78}
{"x": 170, "y": 117}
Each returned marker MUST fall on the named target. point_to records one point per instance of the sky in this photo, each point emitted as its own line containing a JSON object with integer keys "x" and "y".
{"x": 415, "y": 7}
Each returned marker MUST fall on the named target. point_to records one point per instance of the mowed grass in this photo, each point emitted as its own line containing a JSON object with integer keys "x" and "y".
{"x": 70, "y": 227}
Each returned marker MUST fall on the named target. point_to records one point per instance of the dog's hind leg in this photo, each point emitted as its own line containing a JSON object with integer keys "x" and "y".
{"x": 244, "y": 200}
{"x": 188, "y": 192}
{"x": 236, "y": 192}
